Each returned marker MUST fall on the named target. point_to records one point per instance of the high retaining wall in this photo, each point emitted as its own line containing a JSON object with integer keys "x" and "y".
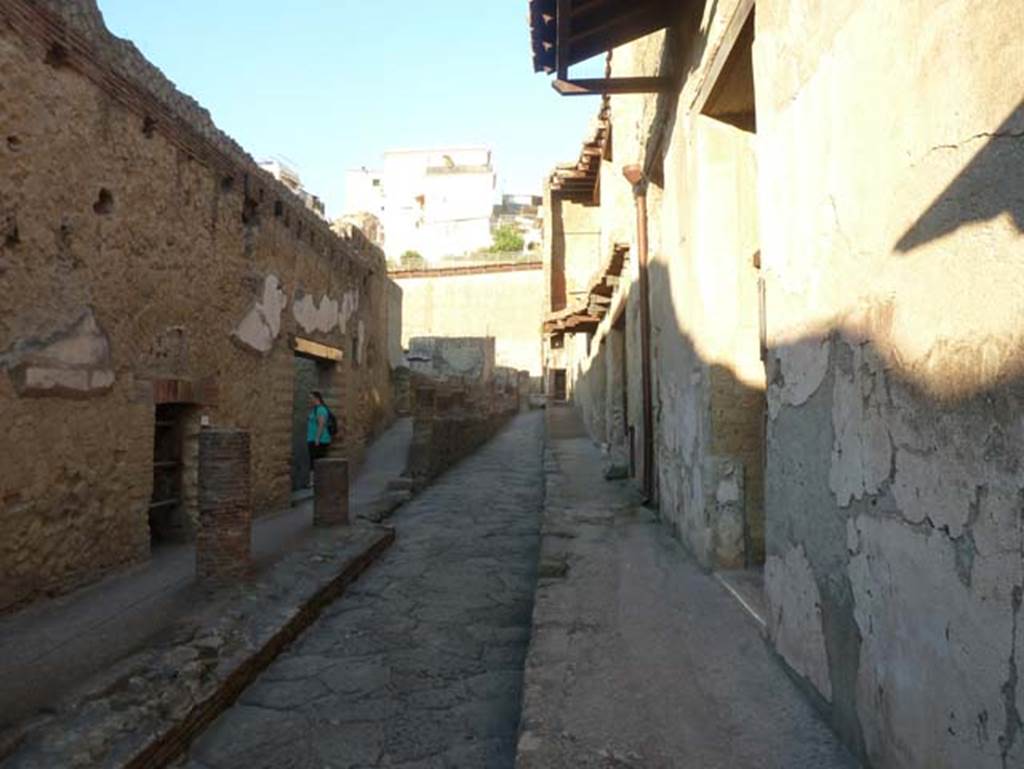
{"x": 501, "y": 301}
{"x": 146, "y": 261}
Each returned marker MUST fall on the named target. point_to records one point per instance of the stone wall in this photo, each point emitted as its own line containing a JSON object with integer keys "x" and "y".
{"x": 146, "y": 259}
{"x": 866, "y": 184}
{"x": 454, "y": 417}
{"x": 459, "y": 358}
{"x": 504, "y": 302}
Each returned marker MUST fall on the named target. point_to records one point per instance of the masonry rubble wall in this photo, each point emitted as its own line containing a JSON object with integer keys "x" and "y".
{"x": 146, "y": 259}
{"x": 455, "y": 415}
{"x": 889, "y": 241}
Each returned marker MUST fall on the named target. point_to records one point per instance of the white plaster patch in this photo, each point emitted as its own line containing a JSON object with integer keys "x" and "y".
{"x": 728, "y": 490}
{"x": 794, "y": 617}
{"x": 933, "y": 486}
{"x": 934, "y": 653}
{"x": 75, "y": 362}
{"x": 861, "y": 450}
{"x": 262, "y": 324}
{"x": 349, "y": 307}
{"x": 313, "y": 317}
{"x": 804, "y": 364}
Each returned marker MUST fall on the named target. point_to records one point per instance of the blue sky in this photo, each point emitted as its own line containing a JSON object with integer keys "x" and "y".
{"x": 332, "y": 84}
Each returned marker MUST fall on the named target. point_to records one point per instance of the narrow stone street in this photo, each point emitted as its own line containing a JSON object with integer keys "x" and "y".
{"x": 420, "y": 663}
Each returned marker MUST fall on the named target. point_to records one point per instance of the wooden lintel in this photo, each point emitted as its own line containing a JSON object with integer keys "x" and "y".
{"x": 316, "y": 350}
{"x": 614, "y": 85}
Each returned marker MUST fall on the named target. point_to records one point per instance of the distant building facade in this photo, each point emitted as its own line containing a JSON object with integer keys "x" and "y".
{"x": 523, "y": 213}
{"x": 437, "y": 203}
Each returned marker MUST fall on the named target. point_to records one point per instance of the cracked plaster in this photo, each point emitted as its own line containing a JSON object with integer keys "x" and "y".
{"x": 935, "y": 651}
{"x": 803, "y": 365}
{"x": 795, "y": 617}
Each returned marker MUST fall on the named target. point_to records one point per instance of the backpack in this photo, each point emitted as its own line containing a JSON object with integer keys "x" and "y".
{"x": 332, "y": 423}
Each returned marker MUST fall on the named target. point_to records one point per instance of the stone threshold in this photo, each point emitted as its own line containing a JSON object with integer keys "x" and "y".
{"x": 145, "y": 710}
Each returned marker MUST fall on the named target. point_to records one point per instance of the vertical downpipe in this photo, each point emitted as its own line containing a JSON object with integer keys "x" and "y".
{"x": 635, "y": 176}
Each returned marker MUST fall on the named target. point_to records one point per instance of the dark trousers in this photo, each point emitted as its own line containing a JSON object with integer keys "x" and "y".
{"x": 316, "y": 451}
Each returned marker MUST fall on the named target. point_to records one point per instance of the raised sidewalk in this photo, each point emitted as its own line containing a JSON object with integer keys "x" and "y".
{"x": 49, "y": 648}
{"x": 638, "y": 657}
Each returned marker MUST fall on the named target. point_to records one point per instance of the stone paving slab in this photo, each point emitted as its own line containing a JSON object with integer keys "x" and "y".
{"x": 421, "y": 664}
{"x": 639, "y": 658}
{"x": 145, "y": 710}
{"x": 50, "y": 647}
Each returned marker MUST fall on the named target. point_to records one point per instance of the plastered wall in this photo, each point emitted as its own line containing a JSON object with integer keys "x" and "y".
{"x": 889, "y": 215}
{"x": 892, "y": 217}
{"x": 145, "y": 257}
{"x": 506, "y": 305}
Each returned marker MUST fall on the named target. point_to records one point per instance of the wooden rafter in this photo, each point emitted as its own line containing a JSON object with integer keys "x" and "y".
{"x": 566, "y": 32}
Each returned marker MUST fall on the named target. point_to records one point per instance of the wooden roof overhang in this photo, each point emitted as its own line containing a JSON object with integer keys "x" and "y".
{"x": 566, "y": 32}
{"x": 581, "y": 181}
{"x": 586, "y": 317}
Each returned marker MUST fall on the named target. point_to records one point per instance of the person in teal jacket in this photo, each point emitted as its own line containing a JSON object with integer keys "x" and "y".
{"x": 318, "y": 437}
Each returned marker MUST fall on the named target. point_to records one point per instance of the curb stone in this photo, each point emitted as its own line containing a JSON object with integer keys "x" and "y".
{"x": 143, "y": 712}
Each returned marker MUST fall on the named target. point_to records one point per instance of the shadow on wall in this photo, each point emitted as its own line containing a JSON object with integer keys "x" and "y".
{"x": 671, "y": 66}
{"x": 893, "y": 516}
{"x": 709, "y": 431}
{"x": 894, "y": 485}
{"x": 893, "y": 527}
{"x": 991, "y": 184}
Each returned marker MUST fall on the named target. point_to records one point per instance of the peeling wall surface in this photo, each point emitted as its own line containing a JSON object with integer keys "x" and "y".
{"x": 505, "y": 305}
{"x": 146, "y": 259}
{"x": 877, "y": 211}
{"x": 894, "y": 257}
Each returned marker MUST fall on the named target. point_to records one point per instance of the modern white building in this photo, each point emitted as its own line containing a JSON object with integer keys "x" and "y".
{"x": 282, "y": 170}
{"x": 436, "y": 202}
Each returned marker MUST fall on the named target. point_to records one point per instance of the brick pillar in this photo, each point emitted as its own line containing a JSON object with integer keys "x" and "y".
{"x": 330, "y": 492}
{"x": 225, "y": 505}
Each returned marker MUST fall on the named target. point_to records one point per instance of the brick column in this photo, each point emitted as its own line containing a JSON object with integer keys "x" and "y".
{"x": 225, "y": 505}
{"x": 330, "y": 492}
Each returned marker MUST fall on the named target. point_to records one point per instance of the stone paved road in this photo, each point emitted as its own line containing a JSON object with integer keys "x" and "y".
{"x": 420, "y": 663}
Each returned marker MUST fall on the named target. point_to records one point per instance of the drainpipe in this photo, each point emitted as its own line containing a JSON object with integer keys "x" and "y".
{"x": 634, "y": 175}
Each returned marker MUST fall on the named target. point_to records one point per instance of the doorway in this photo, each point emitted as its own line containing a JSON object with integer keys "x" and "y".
{"x": 168, "y": 518}
{"x": 310, "y": 373}
{"x": 559, "y": 384}
{"x": 730, "y": 240}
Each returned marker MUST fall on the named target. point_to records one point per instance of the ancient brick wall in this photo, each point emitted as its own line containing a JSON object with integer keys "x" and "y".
{"x": 145, "y": 258}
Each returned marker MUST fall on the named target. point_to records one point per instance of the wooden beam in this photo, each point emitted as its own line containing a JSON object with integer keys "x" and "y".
{"x": 316, "y": 350}
{"x": 722, "y": 53}
{"x": 619, "y": 26}
{"x": 563, "y": 19}
{"x": 610, "y": 21}
{"x": 614, "y": 85}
